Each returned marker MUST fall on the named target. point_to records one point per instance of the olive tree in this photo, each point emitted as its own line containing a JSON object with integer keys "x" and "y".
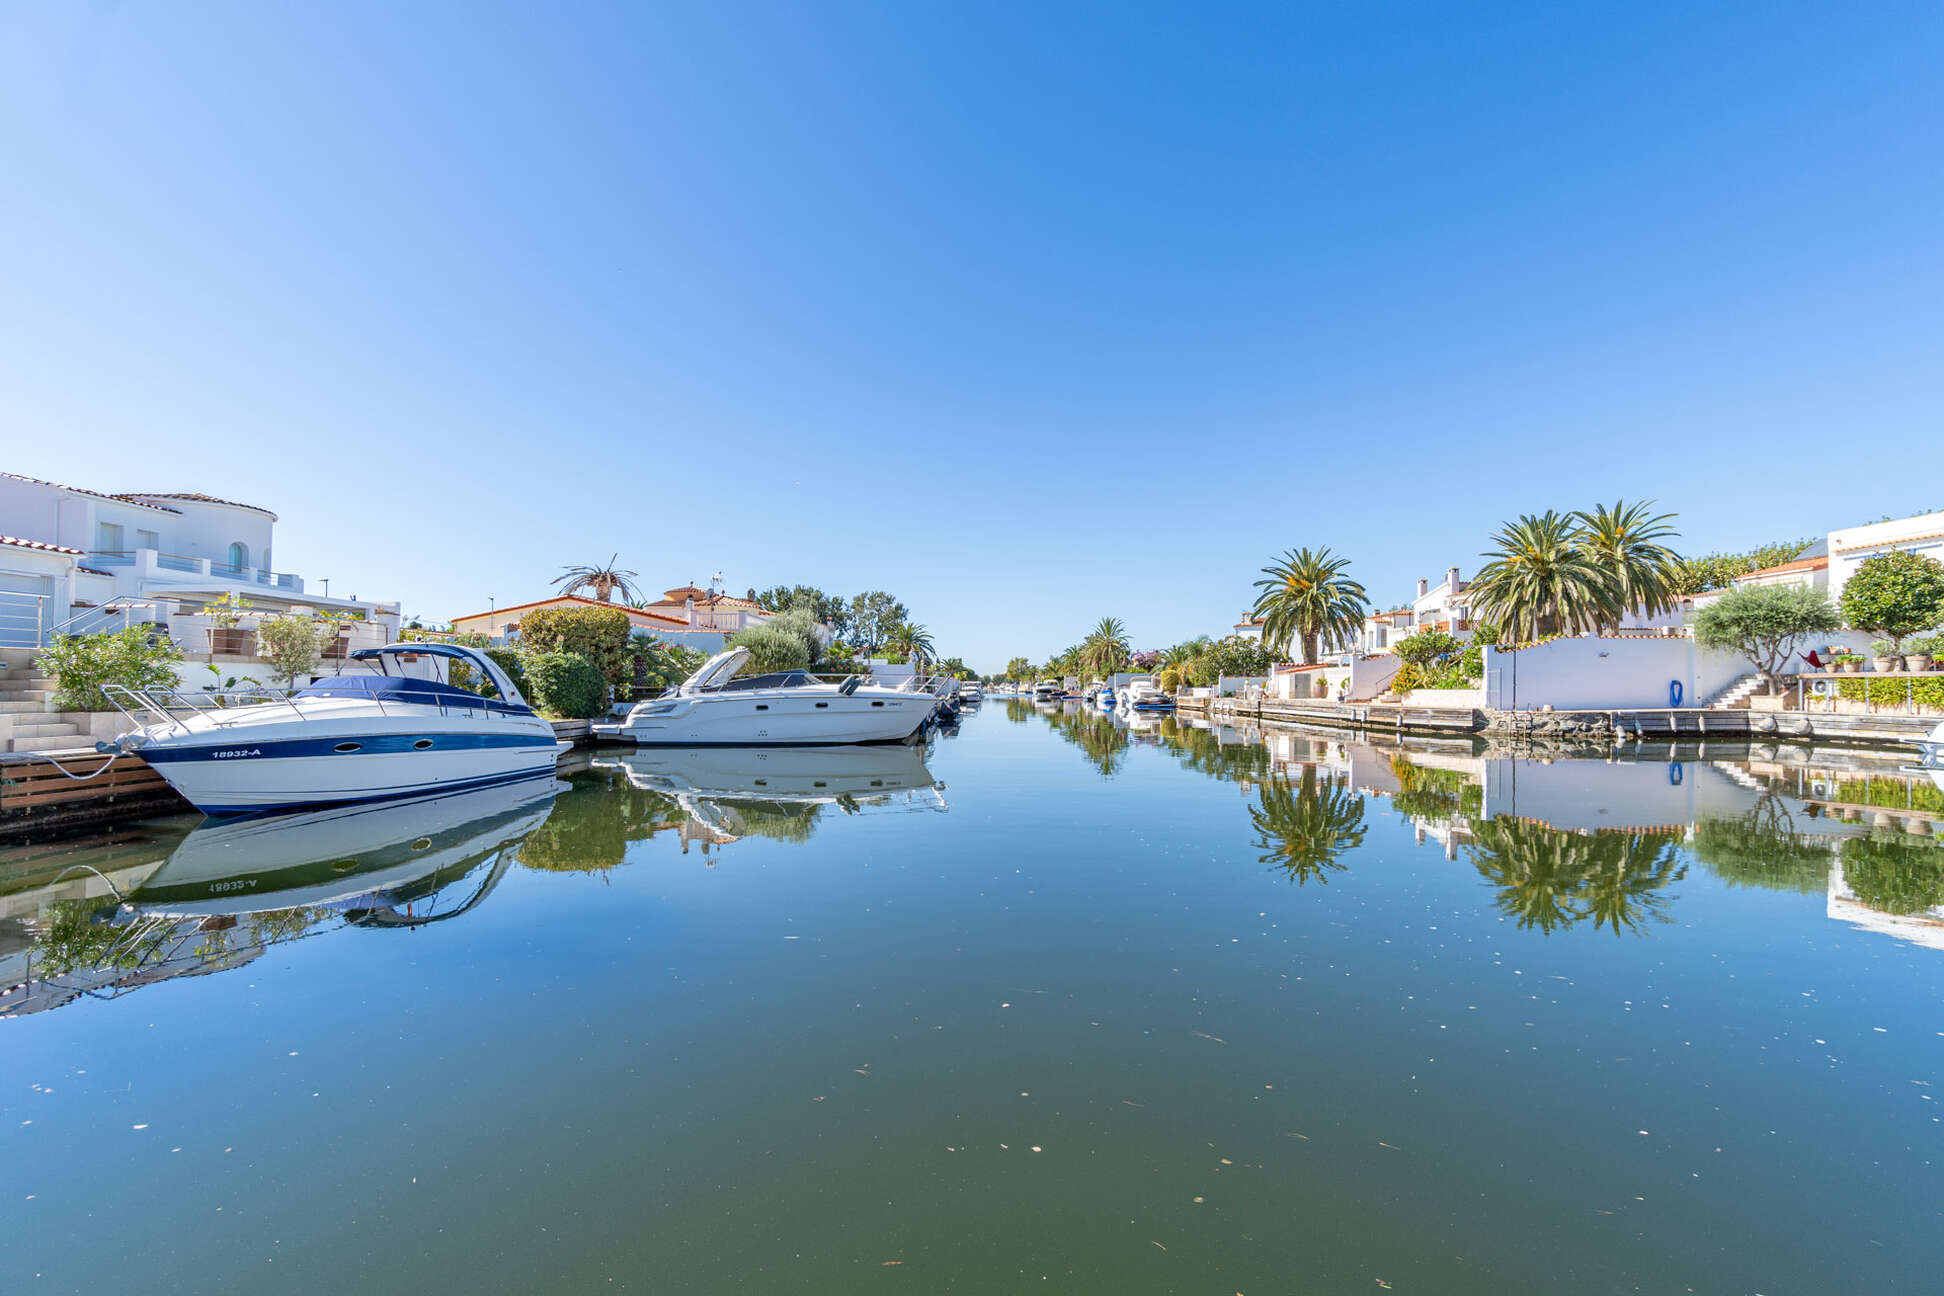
{"x": 1763, "y": 623}
{"x": 1895, "y": 595}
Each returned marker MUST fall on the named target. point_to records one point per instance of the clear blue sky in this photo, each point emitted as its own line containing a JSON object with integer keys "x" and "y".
{"x": 1030, "y": 314}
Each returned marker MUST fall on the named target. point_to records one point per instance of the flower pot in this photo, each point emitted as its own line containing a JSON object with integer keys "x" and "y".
{"x": 1917, "y": 661}
{"x": 1884, "y": 663}
{"x": 1850, "y": 667}
{"x": 232, "y": 641}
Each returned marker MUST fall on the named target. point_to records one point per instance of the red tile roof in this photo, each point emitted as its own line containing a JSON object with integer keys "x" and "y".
{"x": 1800, "y": 564}
{"x": 78, "y": 490}
{"x": 139, "y": 497}
{"x": 560, "y": 599}
{"x": 41, "y": 545}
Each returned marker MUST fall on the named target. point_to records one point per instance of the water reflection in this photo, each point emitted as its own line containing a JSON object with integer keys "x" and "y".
{"x": 1565, "y": 841}
{"x": 718, "y": 795}
{"x": 233, "y": 889}
{"x": 1302, "y": 830}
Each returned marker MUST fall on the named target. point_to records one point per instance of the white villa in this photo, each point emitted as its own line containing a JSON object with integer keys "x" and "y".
{"x": 74, "y": 560}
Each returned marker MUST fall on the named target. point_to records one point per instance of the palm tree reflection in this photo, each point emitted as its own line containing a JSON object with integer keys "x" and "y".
{"x": 1551, "y": 878}
{"x": 1303, "y": 829}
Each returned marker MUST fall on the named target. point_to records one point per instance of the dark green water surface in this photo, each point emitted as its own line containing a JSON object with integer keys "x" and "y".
{"x": 1108, "y": 1009}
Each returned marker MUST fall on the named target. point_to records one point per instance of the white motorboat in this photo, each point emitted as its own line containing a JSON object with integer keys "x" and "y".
{"x": 1143, "y": 695}
{"x": 971, "y": 691}
{"x": 403, "y": 731}
{"x": 337, "y": 856}
{"x": 713, "y": 708}
{"x": 1048, "y": 690}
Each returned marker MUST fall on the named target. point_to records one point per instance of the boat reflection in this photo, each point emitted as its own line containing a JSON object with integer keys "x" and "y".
{"x": 724, "y": 794}
{"x": 232, "y": 889}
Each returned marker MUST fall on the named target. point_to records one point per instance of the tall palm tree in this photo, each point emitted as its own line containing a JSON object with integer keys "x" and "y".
{"x": 1307, "y": 597}
{"x": 1626, "y": 541}
{"x": 1541, "y": 581}
{"x": 1105, "y": 650}
{"x": 604, "y": 580}
{"x": 1303, "y": 830}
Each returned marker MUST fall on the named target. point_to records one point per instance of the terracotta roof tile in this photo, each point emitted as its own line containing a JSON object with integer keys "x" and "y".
{"x": 1800, "y": 564}
{"x": 41, "y": 545}
{"x": 139, "y": 497}
{"x": 82, "y": 490}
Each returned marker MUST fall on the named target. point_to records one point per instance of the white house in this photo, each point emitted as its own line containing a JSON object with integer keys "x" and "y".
{"x": 1851, "y": 547}
{"x": 76, "y": 559}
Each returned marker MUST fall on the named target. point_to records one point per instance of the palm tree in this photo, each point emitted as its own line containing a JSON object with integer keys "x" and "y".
{"x": 1541, "y": 581}
{"x": 1627, "y": 542}
{"x": 912, "y": 641}
{"x": 603, "y": 580}
{"x": 1307, "y": 597}
{"x": 1105, "y": 650}
{"x": 1304, "y": 830}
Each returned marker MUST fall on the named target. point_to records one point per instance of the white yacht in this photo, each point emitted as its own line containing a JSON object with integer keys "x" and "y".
{"x": 971, "y": 691}
{"x": 713, "y": 708}
{"x": 1048, "y": 690}
{"x": 400, "y": 732}
{"x": 1143, "y": 695}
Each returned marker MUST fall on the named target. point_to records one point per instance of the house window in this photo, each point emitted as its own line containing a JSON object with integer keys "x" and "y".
{"x": 239, "y": 555}
{"x": 148, "y": 540}
{"x": 108, "y": 537}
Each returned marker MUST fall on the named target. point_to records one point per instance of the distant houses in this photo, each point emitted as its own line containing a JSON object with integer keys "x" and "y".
{"x": 688, "y": 615}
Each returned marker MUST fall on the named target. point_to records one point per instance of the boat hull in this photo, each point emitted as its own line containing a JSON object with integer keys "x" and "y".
{"x": 254, "y": 777}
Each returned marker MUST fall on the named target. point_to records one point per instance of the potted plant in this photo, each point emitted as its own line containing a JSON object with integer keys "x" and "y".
{"x": 1886, "y": 655}
{"x": 1849, "y": 663}
{"x": 1921, "y": 654}
{"x": 225, "y": 615}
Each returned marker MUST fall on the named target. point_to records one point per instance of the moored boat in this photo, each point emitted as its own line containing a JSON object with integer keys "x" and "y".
{"x": 402, "y": 731}
{"x": 713, "y": 708}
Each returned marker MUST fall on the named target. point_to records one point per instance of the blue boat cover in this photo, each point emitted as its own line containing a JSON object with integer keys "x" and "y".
{"x": 423, "y": 692}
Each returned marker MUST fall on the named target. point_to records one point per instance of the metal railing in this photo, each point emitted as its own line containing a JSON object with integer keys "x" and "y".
{"x": 93, "y": 620}
{"x": 23, "y": 619}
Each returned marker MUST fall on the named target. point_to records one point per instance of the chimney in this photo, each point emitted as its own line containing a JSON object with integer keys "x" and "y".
{"x": 1424, "y": 587}
{"x": 1451, "y": 579}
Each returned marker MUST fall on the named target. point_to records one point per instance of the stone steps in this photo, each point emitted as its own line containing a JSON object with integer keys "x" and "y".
{"x": 56, "y": 743}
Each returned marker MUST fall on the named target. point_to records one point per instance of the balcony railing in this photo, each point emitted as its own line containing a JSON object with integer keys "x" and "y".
{"x": 111, "y": 558}
{"x": 176, "y": 562}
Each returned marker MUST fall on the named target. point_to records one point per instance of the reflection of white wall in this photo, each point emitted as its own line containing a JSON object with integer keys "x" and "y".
{"x": 1590, "y": 795}
{"x": 1604, "y": 674}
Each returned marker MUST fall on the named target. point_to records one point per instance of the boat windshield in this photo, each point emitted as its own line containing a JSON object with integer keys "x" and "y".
{"x": 776, "y": 679}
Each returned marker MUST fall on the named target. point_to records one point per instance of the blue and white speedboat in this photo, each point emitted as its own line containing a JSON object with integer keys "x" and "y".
{"x": 404, "y": 731}
{"x": 1142, "y": 695}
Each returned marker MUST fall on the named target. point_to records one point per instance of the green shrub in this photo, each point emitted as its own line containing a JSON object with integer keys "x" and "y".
{"x": 511, "y": 661}
{"x": 565, "y": 684}
{"x": 600, "y": 634}
{"x": 771, "y": 649}
{"x": 1896, "y": 595}
{"x": 294, "y": 644}
{"x": 131, "y": 657}
{"x": 1427, "y": 648}
{"x": 1409, "y": 676}
{"x": 1893, "y": 692}
{"x": 801, "y": 624}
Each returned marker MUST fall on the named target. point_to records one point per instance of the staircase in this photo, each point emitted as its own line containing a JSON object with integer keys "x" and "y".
{"x": 26, "y": 722}
{"x": 1735, "y": 696}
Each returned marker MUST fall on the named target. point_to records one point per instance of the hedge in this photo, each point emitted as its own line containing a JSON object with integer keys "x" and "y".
{"x": 565, "y": 684}
{"x": 1893, "y": 692}
{"x": 598, "y": 634}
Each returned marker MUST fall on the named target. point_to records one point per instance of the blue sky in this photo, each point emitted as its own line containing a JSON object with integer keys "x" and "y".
{"x": 1030, "y": 314}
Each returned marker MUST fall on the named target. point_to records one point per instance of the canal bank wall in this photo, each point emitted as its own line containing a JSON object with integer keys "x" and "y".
{"x": 1598, "y": 727}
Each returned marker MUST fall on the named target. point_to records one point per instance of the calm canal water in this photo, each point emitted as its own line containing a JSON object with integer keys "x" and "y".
{"x": 1058, "y": 1005}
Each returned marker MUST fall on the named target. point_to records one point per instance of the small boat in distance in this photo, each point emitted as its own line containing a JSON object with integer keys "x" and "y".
{"x": 1143, "y": 695}
{"x": 403, "y": 731}
{"x": 713, "y": 708}
{"x": 1048, "y": 691}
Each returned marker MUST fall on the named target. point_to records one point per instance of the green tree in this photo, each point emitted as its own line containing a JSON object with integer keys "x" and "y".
{"x": 912, "y": 641}
{"x": 1697, "y": 575}
{"x": 294, "y": 645}
{"x": 1626, "y": 541}
{"x": 1896, "y": 595}
{"x": 1763, "y": 623}
{"x": 834, "y": 608}
{"x": 1541, "y": 581}
{"x": 1306, "y": 598}
{"x": 1019, "y": 669}
{"x": 603, "y": 578}
{"x": 873, "y": 616}
{"x": 1105, "y": 650}
{"x": 601, "y": 635}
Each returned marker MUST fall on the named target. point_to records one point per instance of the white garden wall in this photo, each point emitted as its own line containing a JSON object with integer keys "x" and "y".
{"x": 1595, "y": 674}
